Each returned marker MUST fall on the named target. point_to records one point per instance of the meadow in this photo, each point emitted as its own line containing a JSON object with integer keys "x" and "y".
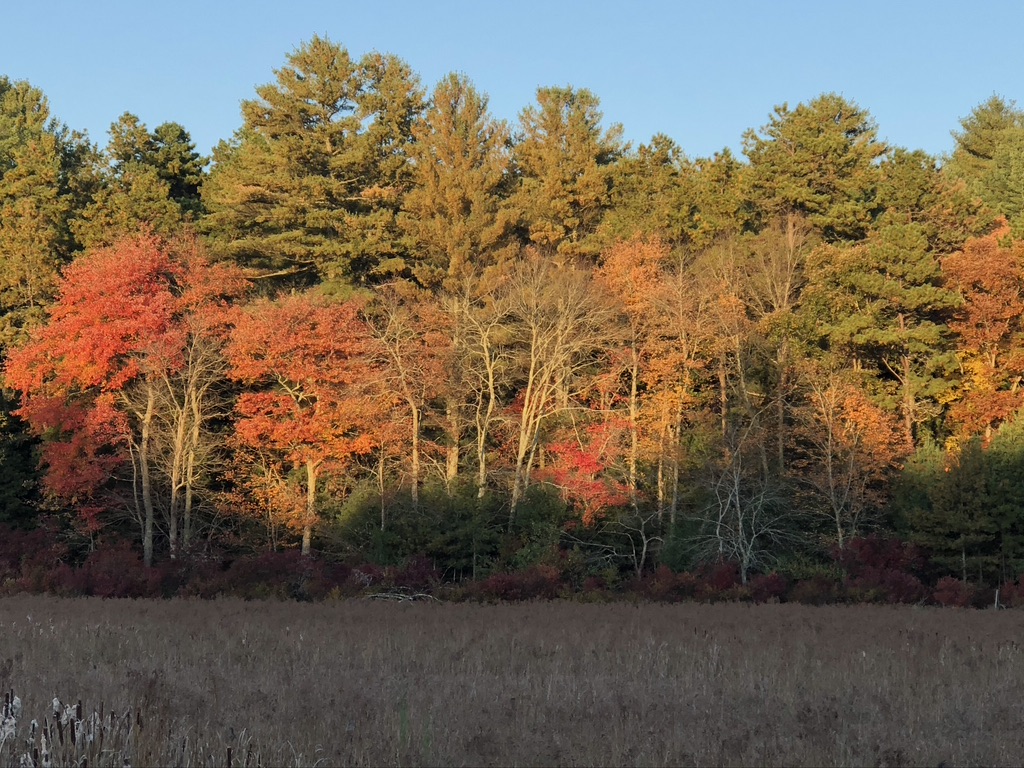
{"x": 361, "y": 682}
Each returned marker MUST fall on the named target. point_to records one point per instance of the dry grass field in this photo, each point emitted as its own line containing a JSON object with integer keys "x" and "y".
{"x": 369, "y": 683}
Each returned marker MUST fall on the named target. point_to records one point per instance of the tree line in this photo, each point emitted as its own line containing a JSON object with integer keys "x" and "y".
{"x": 381, "y": 323}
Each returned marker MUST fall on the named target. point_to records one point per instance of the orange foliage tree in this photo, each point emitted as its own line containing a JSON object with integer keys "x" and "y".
{"x": 632, "y": 273}
{"x": 848, "y": 451}
{"x": 989, "y": 274}
{"x": 99, "y": 382}
{"x": 309, "y": 368}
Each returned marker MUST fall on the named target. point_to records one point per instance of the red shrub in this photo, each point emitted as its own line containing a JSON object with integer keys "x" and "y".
{"x": 115, "y": 569}
{"x": 540, "y": 582}
{"x": 953, "y": 592}
{"x": 664, "y": 585}
{"x": 1011, "y": 594}
{"x": 818, "y": 590}
{"x": 885, "y": 585}
{"x": 288, "y": 575}
{"x": 417, "y": 573}
{"x": 768, "y": 587}
{"x": 720, "y": 581}
{"x": 874, "y": 552}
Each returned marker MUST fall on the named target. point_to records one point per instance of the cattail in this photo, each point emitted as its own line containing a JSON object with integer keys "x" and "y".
{"x": 44, "y": 753}
{"x": 8, "y": 727}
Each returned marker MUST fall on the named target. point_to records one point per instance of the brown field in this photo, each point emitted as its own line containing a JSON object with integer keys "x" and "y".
{"x": 367, "y": 683}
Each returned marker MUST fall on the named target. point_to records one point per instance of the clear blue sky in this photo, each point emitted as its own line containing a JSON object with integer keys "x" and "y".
{"x": 700, "y": 71}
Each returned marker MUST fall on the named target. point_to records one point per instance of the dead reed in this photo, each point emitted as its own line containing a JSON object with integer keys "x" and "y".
{"x": 371, "y": 683}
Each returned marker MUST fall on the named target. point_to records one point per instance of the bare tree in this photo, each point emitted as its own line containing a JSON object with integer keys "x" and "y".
{"x": 561, "y": 323}
{"x": 748, "y": 516}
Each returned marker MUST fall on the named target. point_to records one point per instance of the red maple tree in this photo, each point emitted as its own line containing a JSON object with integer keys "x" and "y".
{"x": 93, "y": 379}
{"x": 310, "y": 368}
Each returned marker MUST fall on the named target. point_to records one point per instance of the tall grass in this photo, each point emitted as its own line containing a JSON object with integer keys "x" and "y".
{"x": 370, "y": 683}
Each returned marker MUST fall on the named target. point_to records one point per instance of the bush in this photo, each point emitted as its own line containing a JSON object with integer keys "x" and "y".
{"x": 540, "y": 582}
{"x": 720, "y": 581}
{"x": 875, "y": 553}
{"x": 885, "y": 585}
{"x": 953, "y": 592}
{"x": 286, "y": 574}
{"x": 417, "y": 573}
{"x": 817, "y": 590}
{"x": 1011, "y": 594}
{"x": 768, "y": 588}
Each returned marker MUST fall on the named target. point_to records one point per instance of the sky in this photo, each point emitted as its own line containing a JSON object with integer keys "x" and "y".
{"x": 702, "y": 72}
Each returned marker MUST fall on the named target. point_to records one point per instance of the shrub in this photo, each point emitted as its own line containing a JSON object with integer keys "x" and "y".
{"x": 286, "y": 574}
{"x": 768, "y": 587}
{"x": 953, "y": 592}
{"x": 719, "y": 582}
{"x": 817, "y": 590}
{"x": 874, "y": 552}
{"x": 416, "y": 573}
{"x": 885, "y": 585}
{"x": 539, "y": 582}
{"x": 1011, "y": 594}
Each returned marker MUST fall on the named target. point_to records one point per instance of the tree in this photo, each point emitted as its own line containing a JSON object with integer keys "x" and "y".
{"x": 914, "y": 190}
{"x": 41, "y": 179}
{"x": 883, "y": 303}
{"x": 415, "y": 349}
{"x": 460, "y": 224}
{"x": 92, "y": 380}
{"x": 312, "y": 182}
{"x": 456, "y": 212}
{"x": 820, "y": 160}
{"x": 564, "y": 160}
{"x": 989, "y": 277}
{"x": 848, "y": 451}
{"x": 143, "y": 181}
{"x": 632, "y": 272}
{"x": 652, "y": 195}
{"x": 561, "y": 324}
{"x": 308, "y": 365}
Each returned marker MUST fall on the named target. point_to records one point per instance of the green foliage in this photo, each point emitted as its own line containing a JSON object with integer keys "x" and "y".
{"x": 565, "y": 162}
{"x": 456, "y": 213}
{"x": 18, "y": 471}
{"x": 883, "y": 303}
{"x": 652, "y": 194}
{"x": 819, "y": 159}
{"x": 41, "y": 190}
{"x": 965, "y": 506}
{"x": 313, "y": 181}
{"x": 451, "y": 526}
{"x": 144, "y": 180}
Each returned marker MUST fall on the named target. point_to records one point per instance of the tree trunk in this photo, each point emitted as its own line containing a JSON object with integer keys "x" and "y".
{"x": 415, "y": 456}
{"x": 307, "y": 529}
{"x": 147, "y": 480}
{"x": 634, "y": 438}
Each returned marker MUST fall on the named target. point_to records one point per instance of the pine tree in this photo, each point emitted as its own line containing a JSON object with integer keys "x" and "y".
{"x": 311, "y": 184}
{"x": 652, "y": 194}
{"x": 819, "y": 159}
{"x": 565, "y": 161}
{"x": 456, "y": 213}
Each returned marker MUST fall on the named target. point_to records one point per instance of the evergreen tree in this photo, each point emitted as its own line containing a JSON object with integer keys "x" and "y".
{"x": 311, "y": 184}
{"x": 652, "y": 194}
{"x": 989, "y": 157}
{"x": 821, "y": 160}
{"x": 143, "y": 181}
{"x": 883, "y": 305}
{"x": 565, "y": 162}
{"x": 456, "y": 213}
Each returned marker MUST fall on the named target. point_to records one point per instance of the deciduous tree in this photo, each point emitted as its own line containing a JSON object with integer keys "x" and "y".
{"x": 309, "y": 366}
